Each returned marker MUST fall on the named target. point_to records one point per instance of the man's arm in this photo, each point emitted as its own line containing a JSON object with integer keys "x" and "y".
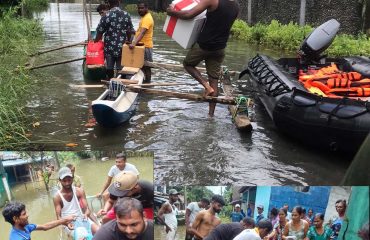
{"x": 189, "y": 14}
{"x": 139, "y": 37}
{"x": 55, "y": 223}
{"x": 164, "y": 209}
{"x": 187, "y": 218}
{"x": 106, "y": 185}
{"x": 57, "y": 206}
{"x": 107, "y": 206}
{"x": 81, "y": 196}
{"x": 195, "y": 225}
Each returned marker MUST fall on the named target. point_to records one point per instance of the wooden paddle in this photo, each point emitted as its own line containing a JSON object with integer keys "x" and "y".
{"x": 136, "y": 85}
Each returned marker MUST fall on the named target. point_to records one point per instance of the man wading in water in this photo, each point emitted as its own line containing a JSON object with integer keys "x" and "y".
{"x": 211, "y": 42}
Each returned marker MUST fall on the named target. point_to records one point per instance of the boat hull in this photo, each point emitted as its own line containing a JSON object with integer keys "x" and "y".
{"x": 93, "y": 74}
{"x": 331, "y": 123}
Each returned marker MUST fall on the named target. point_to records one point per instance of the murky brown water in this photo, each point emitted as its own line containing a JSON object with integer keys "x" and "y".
{"x": 39, "y": 203}
{"x": 189, "y": 147}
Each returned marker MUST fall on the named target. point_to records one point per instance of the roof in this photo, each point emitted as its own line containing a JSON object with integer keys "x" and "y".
{"x": 20, "y": 161}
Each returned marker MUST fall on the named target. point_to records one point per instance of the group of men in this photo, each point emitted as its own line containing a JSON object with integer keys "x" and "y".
{"x": 127, "y": 213}
{"x": 117, "y": 28}
{"x": 202, "y": 221}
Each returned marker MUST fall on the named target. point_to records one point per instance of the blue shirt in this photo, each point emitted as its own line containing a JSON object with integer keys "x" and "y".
{"x": 236, "y": 216}
{"x": 16, "y": 234}
{"x": 259, "y": 218}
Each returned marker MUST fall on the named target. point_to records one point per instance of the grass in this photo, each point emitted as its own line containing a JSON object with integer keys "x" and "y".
{"x": 290, "y": 36}
{"x": 19, "y": 37}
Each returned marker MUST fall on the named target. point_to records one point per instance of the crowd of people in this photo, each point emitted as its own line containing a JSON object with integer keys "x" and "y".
{"x": 202, "y": 222}
{"x": 127, "y": 211}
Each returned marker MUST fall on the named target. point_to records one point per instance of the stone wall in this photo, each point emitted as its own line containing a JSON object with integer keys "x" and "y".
{"x": 347, "y": 12}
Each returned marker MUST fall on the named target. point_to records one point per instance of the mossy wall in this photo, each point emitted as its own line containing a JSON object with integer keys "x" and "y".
{"x": 347, "y": 12}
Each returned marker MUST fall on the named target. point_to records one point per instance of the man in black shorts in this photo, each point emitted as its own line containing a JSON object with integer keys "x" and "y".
{"x": 129, "y": 223}
{"x": 211, "y": 43}
{"x": 228, "y": 231}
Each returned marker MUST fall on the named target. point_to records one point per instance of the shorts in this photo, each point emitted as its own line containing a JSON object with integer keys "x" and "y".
{"x": 148, "y": 55}
{"x": 113, "y": 62}
{"x": 213, "y": 60}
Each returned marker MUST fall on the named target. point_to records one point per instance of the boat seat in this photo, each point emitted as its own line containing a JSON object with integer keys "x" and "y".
{"x": 357, "y": 64}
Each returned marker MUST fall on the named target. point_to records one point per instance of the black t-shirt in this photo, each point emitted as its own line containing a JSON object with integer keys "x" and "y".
{"x": 225, "y": 231}
{"x": 109, "y": 231}
{"x": 146, "y": 195}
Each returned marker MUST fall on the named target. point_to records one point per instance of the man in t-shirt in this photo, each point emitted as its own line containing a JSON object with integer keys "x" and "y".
{"x": 191, "y": 212}
{"x": 121, "y": 165}
{"x": 264, "y": 227}
{"x": 15, "y": 213}
{"x": 227, "y": 231}
{"x": 144, "y": 34}
{"x": 129, "y": 223}
{"x": 260, "y": 213}
{"x": 126, "y": 184}
{"x": 237, "y": 215}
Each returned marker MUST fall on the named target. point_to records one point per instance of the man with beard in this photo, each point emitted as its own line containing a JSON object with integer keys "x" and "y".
{"x": 206, "y": 220}
{"x": 144, "y": 34}
{"x": 129, "y": 223}
{"x": 228, "y": 231}
{"x": 167, "y": 215}
{"x": 67, "y": 201}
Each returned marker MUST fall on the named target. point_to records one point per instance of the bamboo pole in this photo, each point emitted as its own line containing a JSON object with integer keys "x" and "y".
{"x": 143, "y": 85}
{"x": 55, "y": 63}
{"x": 176, "y": 67}
{"x": 57, "y": 48}
{"x": 87, "y": 20}
{"x": 188, "y": 96}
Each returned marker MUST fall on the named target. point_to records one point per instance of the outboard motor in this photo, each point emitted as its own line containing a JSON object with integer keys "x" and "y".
{"x": 318, "y": 41}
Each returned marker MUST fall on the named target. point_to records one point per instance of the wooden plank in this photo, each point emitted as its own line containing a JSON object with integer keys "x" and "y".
{"x": 241, "y": 120}
{"x": 125, "y": 81}
{"x": 188, "y": 96}
{"x": 129, "y": 70}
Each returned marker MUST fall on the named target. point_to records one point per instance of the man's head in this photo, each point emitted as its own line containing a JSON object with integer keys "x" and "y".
{"x": 204, "y": 203}
{"x": 102, "y": 9}
{"x": 173, "y": 195}
{"x": 124, "y": 184}
{"x": 260, "y": 209}
{"x": 248, "y": 223}
{"x": 113, "y": 3}
{"x": 15, "y": 214}
{"x": 130, "y": 217}
{"x": 237, "y": 208}
{"x": 264, "y": 227}
{"x": 286, "y": 206}
{"x": 142, "y": 8}
{"x": 217, "y": 203}
{"x": 303, "y": 214}
{"x": 66, "y": 177}
{"x": 121, "y": 161}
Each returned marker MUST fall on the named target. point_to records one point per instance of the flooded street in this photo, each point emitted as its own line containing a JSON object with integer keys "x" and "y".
{"x": 189, "y": 147}
{"x": 39, "y": 203}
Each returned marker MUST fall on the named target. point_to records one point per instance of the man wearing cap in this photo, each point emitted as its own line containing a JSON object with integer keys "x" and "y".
{"x": 129, "y": 223}
{"x": 237, "y": 215}
{"x": 126, "y": 184}
{"x": 206, "y": 220}
{"x": 121, "y": 165}
{"x": 167, "y": 215}
{"x": 264, "y": 227}
{"x": 67, "y": 200}
{"x": 227, "y": 231}
{"x": 260, "y": 213}
{"x": 191, "y": 212}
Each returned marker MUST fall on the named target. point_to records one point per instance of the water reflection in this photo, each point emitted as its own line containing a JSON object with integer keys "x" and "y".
{"x": 189, "y": 147}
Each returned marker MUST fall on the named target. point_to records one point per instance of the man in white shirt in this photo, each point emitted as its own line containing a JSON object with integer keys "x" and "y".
{"x": 167, "y": 215}
{"x": 121, "y": 165}
{"x": 264, "y": 228}
{"x": 191, "y": 211}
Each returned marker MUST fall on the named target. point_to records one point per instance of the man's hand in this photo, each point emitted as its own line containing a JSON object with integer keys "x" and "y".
{"x": 70, "y": 226}
{"x": 101, "y": 212}
{"x": 99, "y": 195}
{"x": 132, "y": 45}
{"x": 170, "y": 10}
{"x": 68, "y": 219}
{"x": 168, "y": 229}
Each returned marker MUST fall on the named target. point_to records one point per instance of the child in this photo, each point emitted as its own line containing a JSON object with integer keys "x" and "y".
{"x": 15, "y": 213}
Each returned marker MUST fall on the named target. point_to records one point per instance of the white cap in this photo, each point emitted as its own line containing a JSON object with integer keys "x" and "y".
{"x": 237, "y": 205}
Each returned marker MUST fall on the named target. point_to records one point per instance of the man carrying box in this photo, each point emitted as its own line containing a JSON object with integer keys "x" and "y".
{"x": 145, "y": 34}
{"x": 211, "y": 42}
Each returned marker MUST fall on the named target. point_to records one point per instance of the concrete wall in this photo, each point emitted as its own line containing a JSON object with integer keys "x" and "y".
{"x": 315, "y": 198}
{"x": 347, "y": 12}
{"x": 263, "y": 195}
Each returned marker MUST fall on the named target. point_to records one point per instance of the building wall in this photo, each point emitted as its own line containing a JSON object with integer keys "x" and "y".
{"x": 347, "y": 12}
{"x": 316, "y": 198}
{"x": 263, "y": 198}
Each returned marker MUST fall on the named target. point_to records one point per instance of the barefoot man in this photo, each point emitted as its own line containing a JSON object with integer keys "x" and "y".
{"x": 211, "y": 42}
{"x": 206, "y": 220}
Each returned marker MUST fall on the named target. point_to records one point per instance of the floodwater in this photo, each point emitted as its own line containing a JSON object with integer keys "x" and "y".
{"x": 39, "y": 203}
{"x": 189, "y": 147}
{"x": 159, "y": 232}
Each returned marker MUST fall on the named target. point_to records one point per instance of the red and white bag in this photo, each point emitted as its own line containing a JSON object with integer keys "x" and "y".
{"x": 95, "y": 53}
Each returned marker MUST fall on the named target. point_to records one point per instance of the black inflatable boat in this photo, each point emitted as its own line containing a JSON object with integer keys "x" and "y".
{"x": 336, "y": 123}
